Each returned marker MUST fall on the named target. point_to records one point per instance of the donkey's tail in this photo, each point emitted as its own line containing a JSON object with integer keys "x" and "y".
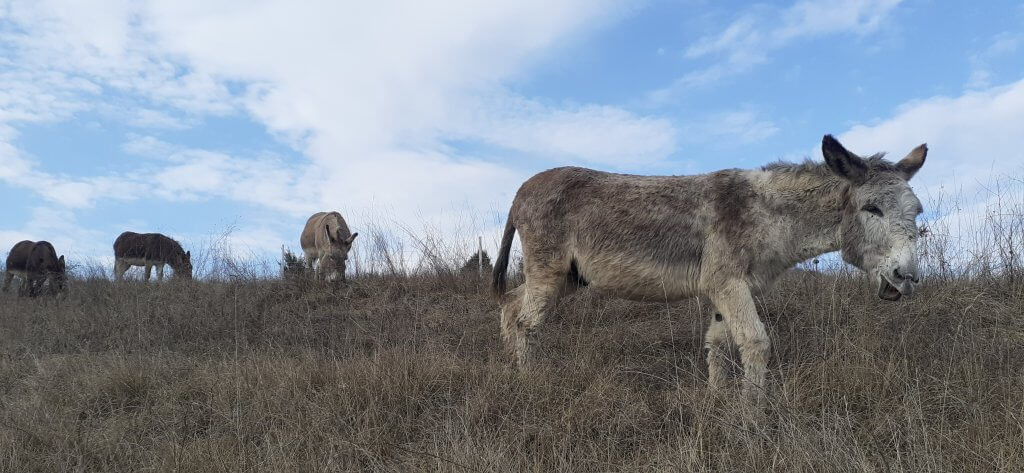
{"x": 501, "y": 264}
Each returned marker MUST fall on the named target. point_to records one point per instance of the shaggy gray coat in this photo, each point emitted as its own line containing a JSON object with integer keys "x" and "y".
{"x": 723, "y": 235}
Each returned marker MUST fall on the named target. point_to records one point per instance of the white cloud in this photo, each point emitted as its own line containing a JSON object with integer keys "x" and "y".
{"x": 970, "y": 137}
{"x": 370, "y": 98}
{"x": 587, "y": 134}
{"x": 980, "y": 78}
{"x": 1002, "y": 44}
{"x": 66, "y": 191}
{"x": 749, "y": 40}
{"x": 178, "y": 174}
{"x": 755, "y": 33}
{"x": 150, "y": 119}
{"x": 148, "y": 146}
{"x": 58, "y": 226}
{"x": 264, "y": 181}
{"x": 734, "y": 126}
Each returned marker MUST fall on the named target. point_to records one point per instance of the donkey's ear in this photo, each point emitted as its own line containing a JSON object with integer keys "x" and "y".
{"x": 61, "y": 260}
{"x": 842, "y": 162}
{"x": 188, "y": 255}
{"x": 352, "y": 237}
{"x": 327, "y": 232}
{"x": 913, "y": 161}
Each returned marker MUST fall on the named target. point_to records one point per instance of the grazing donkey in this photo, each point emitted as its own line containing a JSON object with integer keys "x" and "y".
{"x": 327, "y": 240}
{"x": 149, "y": 250}
{"x": 723, "y": 235}
{"x": 35, "y": 263}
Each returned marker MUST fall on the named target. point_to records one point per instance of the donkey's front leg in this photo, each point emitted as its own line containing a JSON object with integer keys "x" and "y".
{"x": 734, "y": 301}
{"x": 120, "y": 266}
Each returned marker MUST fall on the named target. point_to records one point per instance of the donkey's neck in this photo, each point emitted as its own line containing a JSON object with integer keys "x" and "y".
{"x": 808, "y": 202}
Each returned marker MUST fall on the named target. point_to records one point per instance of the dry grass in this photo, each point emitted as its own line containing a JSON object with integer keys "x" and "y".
{"x": 406, "y": 374}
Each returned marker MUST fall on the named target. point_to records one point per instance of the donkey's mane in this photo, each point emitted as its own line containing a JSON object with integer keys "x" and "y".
{"x": 875, "y": 162}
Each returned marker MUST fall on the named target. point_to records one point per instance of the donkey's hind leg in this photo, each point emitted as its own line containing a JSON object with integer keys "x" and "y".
{"x": 511, "y": 307}
{"x": 718, "y": 344}
{"x": 537, "y": 297}
{"x": 8, "y": 276}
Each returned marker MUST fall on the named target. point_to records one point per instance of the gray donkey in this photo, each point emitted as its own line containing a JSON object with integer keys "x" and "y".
{"x": 151, "y": 250}
{"x": 326, "y": 241}
{"x": 722, "y": 235}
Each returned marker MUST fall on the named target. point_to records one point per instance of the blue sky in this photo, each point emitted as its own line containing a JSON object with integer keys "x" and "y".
{"x": 194, "y": 118}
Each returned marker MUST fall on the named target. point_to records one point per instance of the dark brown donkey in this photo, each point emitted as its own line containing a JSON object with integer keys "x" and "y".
{"x": 723, "y": 235}
{"x": 35, "y": 263}
{"x": 149, "y": 250}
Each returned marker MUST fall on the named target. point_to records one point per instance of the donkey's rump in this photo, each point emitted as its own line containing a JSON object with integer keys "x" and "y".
{"x": 35, "y": 263}
{"x": 18, "y": 257}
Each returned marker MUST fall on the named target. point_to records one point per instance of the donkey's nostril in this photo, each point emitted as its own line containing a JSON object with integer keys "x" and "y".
{"x": 900, "y": 276}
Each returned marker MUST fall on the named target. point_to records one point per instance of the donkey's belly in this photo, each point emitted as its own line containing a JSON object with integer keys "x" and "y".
{"x": 142, "y": 262}
{"x": 642, "y": 280}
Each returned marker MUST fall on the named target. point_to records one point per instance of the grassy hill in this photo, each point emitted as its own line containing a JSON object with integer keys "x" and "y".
{"x": 407, "y": 374}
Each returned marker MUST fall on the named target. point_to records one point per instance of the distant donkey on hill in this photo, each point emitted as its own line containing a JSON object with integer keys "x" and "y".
{"x": 326, "y": 240}
{"x": 35, "y": 263}
{"x": 151, "y": 250}
{"x": 723, "y": 235}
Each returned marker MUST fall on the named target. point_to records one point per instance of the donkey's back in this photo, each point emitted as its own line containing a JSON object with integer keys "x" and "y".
{"x": 639, "y": 237}
{"x": 155, "y": 247}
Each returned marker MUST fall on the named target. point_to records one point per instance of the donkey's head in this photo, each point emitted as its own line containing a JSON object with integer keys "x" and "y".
{"x": 334, "y": 262}
{"x": 182, "y": 265}
{"x": 879, "y": 227}
{"x": 59, "y": 276}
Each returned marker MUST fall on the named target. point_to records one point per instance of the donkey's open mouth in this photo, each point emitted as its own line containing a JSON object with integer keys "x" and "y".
{"x": 888, "y": 291}
{"x": 891, "y": 292}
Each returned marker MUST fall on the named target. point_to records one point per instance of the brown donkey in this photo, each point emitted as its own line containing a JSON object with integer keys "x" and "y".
{"x": 149, "y": 250}
{"x": 326, "y": 240}
{"x": 35, "y": 263}
{"x": 722, "y": 235}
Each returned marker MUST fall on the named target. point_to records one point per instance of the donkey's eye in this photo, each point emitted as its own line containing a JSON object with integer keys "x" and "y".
{"x": 872, "y": 210}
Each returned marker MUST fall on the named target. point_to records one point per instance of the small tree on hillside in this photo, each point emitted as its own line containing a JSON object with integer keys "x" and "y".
{"x": 472, "y": 264}
{"x": 292, "y": 266}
